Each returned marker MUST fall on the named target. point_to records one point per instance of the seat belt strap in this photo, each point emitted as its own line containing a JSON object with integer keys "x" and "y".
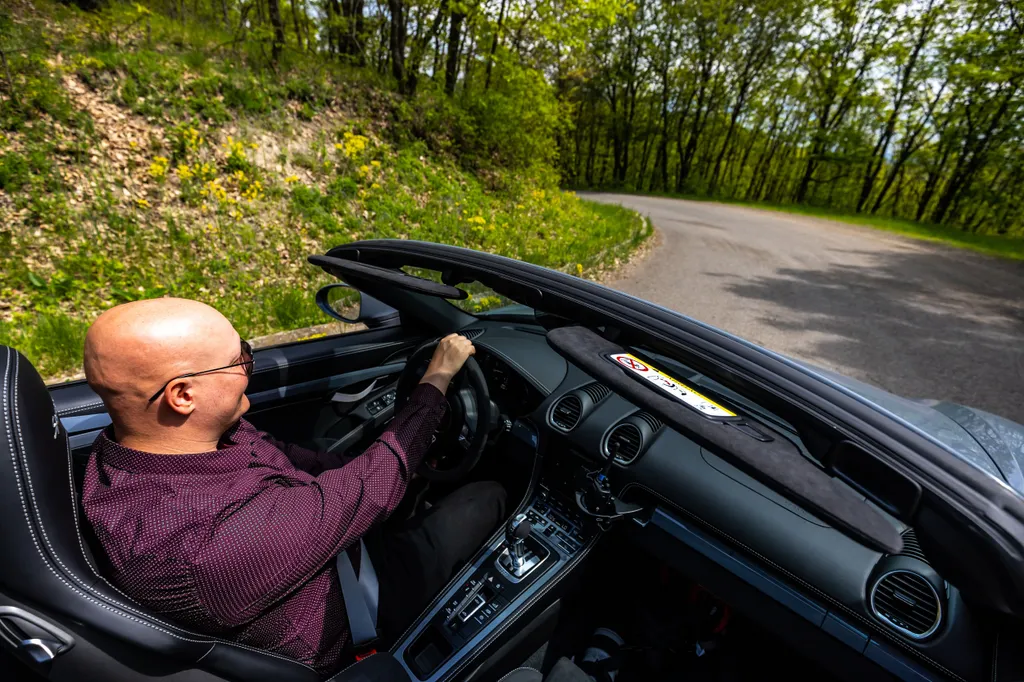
{"x": 361, "y": 595}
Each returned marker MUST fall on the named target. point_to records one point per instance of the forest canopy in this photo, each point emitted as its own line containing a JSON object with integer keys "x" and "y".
{"x": 909, "y": 109}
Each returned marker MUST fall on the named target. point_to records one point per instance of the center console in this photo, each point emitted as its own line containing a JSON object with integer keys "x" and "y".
{"x": 539, "y": 545}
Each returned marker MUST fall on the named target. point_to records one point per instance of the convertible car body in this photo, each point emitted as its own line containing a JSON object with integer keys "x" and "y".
{"x": 734, "y": 513}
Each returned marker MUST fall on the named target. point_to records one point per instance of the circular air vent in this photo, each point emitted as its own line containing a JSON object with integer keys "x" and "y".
{"x": 626, "y": 441}
{"x": 565, "y": 414}
{"x": 907, "y": 602}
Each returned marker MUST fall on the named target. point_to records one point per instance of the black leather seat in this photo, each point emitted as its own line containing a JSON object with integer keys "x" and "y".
{"x": 50, "y": 588}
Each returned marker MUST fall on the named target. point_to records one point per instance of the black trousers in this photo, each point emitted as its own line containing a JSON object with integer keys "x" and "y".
{"x": 416, "y": 558}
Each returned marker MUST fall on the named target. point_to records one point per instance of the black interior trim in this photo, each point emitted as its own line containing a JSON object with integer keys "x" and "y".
{"x": 357, "y": 274}
{"x": 779, "y": 463}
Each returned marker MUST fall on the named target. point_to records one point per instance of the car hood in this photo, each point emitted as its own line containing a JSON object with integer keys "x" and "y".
{"x": 990, "y": 442}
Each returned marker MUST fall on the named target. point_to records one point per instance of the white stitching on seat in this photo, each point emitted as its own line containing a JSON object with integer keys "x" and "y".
{"x": 21, "y": 494}
{"x": 81, "y": 408}
{"x": 871, "y": 626}
{"x": 508, "y": 675}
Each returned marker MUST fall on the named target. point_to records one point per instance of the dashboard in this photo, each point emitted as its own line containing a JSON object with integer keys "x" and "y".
{"x": 893, "y": 610}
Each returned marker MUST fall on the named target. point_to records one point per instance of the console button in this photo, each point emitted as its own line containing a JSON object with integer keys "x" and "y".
{"x": 495, "y": 584}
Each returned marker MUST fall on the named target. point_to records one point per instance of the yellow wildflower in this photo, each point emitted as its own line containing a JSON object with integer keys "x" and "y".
{"x": 142, "y": 203}
{"x": 291, "y": 179}
{"x": 375, "y": 164}
{"x": 364, "y": 169}
{"x": 375, "y": 185}
{"x": 158, "y": 169}
{"x": 579, "y": 268}
{"x": 352, "y": 145}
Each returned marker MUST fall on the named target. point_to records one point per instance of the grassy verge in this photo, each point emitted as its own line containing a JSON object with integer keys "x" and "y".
{"x": 147, "y": 162}
{"x": 989, "y": 244}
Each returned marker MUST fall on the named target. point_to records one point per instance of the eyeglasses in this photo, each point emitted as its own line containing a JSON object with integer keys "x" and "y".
{"x": 247, "y": 362}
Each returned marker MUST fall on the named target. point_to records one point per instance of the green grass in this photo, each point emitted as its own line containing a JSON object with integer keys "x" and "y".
{"x": 234, "y": 175}
{"x": 989, "y": 244}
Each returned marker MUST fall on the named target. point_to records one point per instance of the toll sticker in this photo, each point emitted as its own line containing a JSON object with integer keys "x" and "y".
{"x": 673, "y": 387}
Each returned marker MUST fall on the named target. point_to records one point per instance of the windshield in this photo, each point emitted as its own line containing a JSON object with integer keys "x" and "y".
{"x": 483, "y": 300}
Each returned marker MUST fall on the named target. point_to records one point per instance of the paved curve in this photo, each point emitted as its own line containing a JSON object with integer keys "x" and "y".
{"x": 918, "y": 319}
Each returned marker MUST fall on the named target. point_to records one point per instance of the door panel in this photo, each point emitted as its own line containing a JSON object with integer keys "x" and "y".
{"x": 288, "y": 381}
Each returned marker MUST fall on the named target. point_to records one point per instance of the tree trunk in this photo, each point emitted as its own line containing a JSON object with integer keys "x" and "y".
{"x": 494, "y": 44}
{"x": 295, "y": 21}
{"x": 451, "y": 67}
{"x": 274, "y": 9}
{"x": 352, "y": 36}
{"x": 396, "y": 42}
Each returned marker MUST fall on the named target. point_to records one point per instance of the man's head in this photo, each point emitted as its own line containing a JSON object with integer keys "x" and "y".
{"x": 133, "y": 349}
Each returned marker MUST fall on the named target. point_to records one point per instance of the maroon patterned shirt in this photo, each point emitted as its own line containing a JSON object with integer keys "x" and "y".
{"x": 240, "y": 542}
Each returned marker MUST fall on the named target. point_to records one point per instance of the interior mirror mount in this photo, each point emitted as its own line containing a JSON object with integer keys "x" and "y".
{"x": 336, "y": 300}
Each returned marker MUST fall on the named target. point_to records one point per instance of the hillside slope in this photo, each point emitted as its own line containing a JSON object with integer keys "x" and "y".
{"x": 140, "y": 157}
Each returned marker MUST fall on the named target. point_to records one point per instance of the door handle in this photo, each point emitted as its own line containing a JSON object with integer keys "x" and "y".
{"x": 39, "y": 651}
{"x": 31, "y": 638}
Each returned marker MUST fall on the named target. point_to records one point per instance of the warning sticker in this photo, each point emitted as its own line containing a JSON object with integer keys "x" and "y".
{"x": 673, "y": 387}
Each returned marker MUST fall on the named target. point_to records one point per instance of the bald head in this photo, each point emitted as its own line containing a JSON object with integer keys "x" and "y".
{"x": 133, "y": 349}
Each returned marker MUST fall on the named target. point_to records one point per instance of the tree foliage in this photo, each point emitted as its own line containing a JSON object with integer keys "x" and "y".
{"x": 902, "y": 108}
{"x": 888, "y": 107}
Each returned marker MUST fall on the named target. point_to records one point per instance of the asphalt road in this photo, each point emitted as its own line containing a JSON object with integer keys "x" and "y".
{"x": 917, "y": 319}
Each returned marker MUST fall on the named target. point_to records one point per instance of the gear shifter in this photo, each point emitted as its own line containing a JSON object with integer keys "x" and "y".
{"x": 522, "y": 552}
{"x": 516, "y": 531}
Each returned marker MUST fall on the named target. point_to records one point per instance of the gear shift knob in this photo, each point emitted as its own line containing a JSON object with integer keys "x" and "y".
{"x": 517, "y": 530}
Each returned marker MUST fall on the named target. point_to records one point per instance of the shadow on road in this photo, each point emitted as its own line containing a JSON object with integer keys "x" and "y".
{"x": 962, "y": 343}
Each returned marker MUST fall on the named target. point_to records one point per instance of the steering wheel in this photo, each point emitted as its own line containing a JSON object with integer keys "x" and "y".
{"x": 462, "y": 436}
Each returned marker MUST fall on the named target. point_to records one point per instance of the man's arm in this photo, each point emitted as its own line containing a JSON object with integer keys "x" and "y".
{"x": 310, "y": 461}
{"x": 448, "y": 359}
{"x": 265, "y": 548}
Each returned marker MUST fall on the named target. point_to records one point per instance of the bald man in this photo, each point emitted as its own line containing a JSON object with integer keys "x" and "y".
{"x": 221, "y": 528}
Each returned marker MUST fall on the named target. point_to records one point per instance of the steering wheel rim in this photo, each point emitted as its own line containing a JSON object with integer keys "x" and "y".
{"x": 470, "y": 379}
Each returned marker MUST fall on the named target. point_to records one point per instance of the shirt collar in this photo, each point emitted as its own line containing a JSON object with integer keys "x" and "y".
{"x": 234, "y": 452}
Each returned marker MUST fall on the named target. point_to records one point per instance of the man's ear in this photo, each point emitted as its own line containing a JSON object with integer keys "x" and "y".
{"x": 180, "y": 396}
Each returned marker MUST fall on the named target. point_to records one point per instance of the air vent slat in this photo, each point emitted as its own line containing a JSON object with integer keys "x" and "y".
{"x": 898, "y": 617}
{"x": 908, "y": 585}
{"x": 471, "y": 333}
{"x": 565, "y": 414}
{"x": 908, "y": 602}
{"x": 651, "y": 420}
{"x": 626, "y": 441}
{"x": 597, "y": 392}
{"x": 911, "y": 547}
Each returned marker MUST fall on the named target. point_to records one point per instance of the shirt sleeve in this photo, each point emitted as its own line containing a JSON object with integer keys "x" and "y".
{"x": 269, "y": 544}
{"x": 310, "y": 461}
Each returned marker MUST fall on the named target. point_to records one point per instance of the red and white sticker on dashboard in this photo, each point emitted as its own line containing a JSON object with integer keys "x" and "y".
{"x": 671, "y": 386}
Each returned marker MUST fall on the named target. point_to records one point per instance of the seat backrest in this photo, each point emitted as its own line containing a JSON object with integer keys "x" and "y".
{"x": 47, "y": 562}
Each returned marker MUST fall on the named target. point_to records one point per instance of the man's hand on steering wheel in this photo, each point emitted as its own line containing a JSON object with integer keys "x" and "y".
{"x": 462, "y": 437}
{"x": 449, "y": 357}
